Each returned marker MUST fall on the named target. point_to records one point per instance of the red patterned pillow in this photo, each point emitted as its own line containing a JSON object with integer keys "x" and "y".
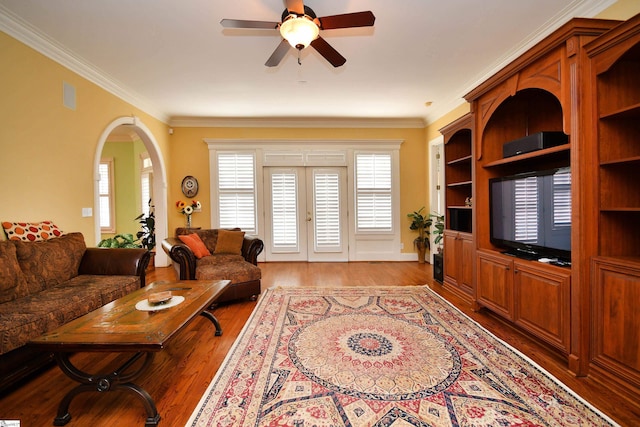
{"x": 31, "y": 231}
{"x": 195, "y": 244}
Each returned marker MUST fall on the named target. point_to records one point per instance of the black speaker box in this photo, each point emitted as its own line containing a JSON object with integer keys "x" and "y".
{"x": 438, "y": 270}
{"x": 534, "y": 142}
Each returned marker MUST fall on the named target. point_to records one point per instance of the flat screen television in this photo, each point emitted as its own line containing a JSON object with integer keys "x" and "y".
{"x": 530, "y": 215}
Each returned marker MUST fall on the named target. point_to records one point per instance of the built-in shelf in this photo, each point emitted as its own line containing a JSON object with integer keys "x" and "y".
{"x": 628, "y": 160}
{"x": 528, "y": 156}
{"x": 631, "y": 111}
{"x": 620, "y": 209}
{"x": 458, "y": 184}
{"x": 466, "y": 159}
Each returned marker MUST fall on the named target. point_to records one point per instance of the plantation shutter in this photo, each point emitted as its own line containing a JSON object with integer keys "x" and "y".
{"x": 526, "y": 210}
{"x": 236, "y": 189}
{"x": 327, "y": 210}
{"x": 373, "y": 192}
{"x": 284, "y": 212}
{"x": 146, "y": 184}
{"x": 106, "y": 196}
{"x": 562, "y": 199}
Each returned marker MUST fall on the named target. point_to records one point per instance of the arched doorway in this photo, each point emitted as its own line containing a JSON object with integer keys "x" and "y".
{"x": 159, "y": 180}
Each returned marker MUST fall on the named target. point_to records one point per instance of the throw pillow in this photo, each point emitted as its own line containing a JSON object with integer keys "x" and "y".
{"x": 195, "y": 244}
{"x": 50, "y": 262}
{"x": 229, "y": 242}
{"x": 31, "y": 231}
{"x": 12, "y": 280}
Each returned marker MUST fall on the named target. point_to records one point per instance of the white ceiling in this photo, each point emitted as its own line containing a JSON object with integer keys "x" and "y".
{"x": 173, "y": 59}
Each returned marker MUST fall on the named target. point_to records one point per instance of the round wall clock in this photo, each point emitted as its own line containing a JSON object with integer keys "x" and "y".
{"x": 189, "y": 186}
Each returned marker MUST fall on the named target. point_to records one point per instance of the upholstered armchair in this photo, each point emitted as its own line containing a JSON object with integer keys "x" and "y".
{"x": 217, "y": 254}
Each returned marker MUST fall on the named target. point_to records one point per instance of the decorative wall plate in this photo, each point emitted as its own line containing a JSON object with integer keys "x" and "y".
{"x": 189, "y": 186}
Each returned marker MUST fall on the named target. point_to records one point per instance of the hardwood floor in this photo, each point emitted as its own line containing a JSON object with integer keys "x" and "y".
{"x": 181, "y": 373}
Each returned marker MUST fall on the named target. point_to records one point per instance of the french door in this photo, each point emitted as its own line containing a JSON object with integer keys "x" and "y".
{"x": 306, "y": 214}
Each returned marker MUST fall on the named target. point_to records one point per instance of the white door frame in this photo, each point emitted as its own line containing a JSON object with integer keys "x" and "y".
{"x": 305, "y": 248}
{"x": 338, "y": 253}
{"x": 159, "y": 180}
{"x": 299, "y": 251}
{"x": 436, "y": 185}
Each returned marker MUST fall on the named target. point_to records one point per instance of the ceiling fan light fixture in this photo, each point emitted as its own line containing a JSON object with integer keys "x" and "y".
{"x": 299, "y": 31}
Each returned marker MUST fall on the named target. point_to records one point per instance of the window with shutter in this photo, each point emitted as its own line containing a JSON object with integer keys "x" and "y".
{"x": 284, "y": 212}
{"x": 237, "y": 191}
{"x": 326, "y": 188}
{"x": 373, "y": 192}
{"x": 106, "y": 196}
{"x": 146, "y": 181}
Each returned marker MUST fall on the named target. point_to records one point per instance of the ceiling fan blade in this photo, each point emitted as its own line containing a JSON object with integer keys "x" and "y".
{"x": 347, "y": 20}
{"x": 329, "y": 53}
{"x": 241, "y": 23}
{"x": 295, "y": 6}
{"x": 278, "y": 54}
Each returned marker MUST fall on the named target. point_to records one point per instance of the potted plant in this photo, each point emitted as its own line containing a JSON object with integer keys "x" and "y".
{"x": 438, "y": 231}
{"x": 147, "y": 233}
{"x": 124, "y": 240}
{"x": 421, "y": 223}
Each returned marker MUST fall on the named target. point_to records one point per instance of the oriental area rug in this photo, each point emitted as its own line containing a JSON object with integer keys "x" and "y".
{"x": 393, "y": 356}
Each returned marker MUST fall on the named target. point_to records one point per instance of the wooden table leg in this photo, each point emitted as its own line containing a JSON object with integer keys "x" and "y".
{"x": 117, "y": 380}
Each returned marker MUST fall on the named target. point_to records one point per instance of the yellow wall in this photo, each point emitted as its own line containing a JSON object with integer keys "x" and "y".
{"x": 190, "y": 156}
{"x": 48, "y": 150}
{"x": 622, "y": 10}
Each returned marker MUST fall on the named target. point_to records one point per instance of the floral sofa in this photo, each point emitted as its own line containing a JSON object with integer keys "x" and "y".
{"x": 44, "y": 284}
{"x": 218, "y": 254}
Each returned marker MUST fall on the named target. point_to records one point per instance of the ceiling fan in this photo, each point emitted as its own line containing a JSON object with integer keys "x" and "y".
{"x": 300, "y": 28}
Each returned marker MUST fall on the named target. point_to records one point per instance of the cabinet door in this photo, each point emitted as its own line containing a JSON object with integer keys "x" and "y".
{"x": 466, "y": 269}
{"x": 495, "y": 283}
{"x": 451, "y": 257}
{"x": 616, "y": 318}
{"x": 541, "y": 302}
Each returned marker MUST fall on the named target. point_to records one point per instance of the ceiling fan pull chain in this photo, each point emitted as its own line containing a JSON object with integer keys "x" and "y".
{"x": 299, "y": 61}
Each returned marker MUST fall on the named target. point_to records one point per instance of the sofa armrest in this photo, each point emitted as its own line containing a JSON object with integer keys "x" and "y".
{"x": 115, "y": 261}
{"x": 252, "y": 247}
{"x": 182, "y": 256}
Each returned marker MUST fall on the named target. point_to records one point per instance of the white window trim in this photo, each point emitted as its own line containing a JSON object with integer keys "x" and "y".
{"x": 111, "y": 228}
{"x": 145, "y": 170}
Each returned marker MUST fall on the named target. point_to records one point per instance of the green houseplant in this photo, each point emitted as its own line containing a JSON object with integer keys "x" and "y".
{"x": 421, "y": 224}
{"x": 124, "y": 240}
{"x": 438, "y": 226}
{"x": 145, "y": 238}
{"x": 147, "y": 234}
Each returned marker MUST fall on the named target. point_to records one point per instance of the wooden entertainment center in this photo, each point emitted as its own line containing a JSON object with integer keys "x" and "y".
{"x": 582, "y": 80}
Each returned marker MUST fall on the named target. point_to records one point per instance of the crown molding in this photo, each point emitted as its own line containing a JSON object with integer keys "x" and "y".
{"x": 297, "y": 122}
{"x": 40, "y": 42}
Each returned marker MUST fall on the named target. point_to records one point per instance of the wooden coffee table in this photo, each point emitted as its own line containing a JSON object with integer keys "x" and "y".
{"x": 121, "y": 327}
